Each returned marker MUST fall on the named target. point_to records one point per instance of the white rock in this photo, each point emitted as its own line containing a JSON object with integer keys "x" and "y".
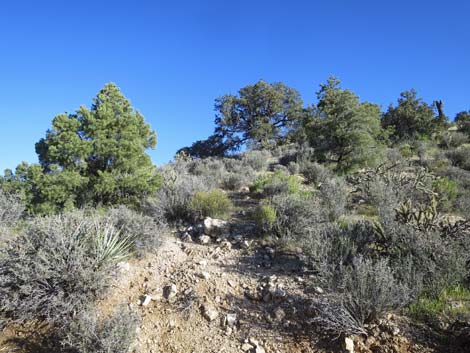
{"x": 204, "y": 239}
{"x": 215, "y": 227}
{"x": 318, "y": 290}
{"x": 145, "y": 300}
{"x": 246, "y": 347}
{"x": 205, "y": 275}
{"x": 259, "y": 349}
{"x": 210, "y": 313}
{"x": 231, "y": 320}
{"x": 349, "y": 345}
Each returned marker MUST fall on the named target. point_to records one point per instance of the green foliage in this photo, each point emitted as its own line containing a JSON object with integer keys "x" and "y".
{"x": 462, "y": 120}
{"x": 214, "y": 203}
{"x": 94, "y": 156}
{"x": 265, "y": 217}
{"x": 411, "y": 117}
{"x": 406, "y": 150}
{"x": 451, "y": 303}
{"x": 343, "y": 130}
{"x": 274, "y": 183}
{"x": 261, "y": 115}
{"x": 446, "y": 189}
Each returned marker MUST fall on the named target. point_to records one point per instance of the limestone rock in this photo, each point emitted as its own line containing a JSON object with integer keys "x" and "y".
{"x": 215, "y": 227}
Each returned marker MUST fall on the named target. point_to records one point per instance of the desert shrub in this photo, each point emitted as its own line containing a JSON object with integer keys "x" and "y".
{"x": 257, "y": 160}
{"x": 214, "y": 203}
{"x": 209, "y": 169}
{"x": 264, "y": 217}
{"x": 333, "y": 195}
{"x": 172, "y": 202}
{"x": 446, "y": 190}
{"x": 88, "y": 334}
{"x": 314, "y": 172}
{"x": 364, "y": 291}
{"x": 55, "y": 268}
{"x": 143, "y": 230}
{"x": 406, "y": 150}
{"x": 452, "y": 139}
{"x": 11, "y": 208}
{"x": 369, "y": 288}
{"x": 235, "y": 181}
{"x": 382, "y": 198}
{"x": 293, "y": 168}
{"x": 295, "y": 214}
{"x": 272, "y": 184}
{"x": 460, "y": 157}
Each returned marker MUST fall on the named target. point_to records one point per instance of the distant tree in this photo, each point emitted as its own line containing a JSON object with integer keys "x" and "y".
{"x": 260, "y": 115}
{"x": 344, "y": 130}
{"x": 412, "y": 117}
{"x": 94, "y": 156}
{"x": 462, "y": 120}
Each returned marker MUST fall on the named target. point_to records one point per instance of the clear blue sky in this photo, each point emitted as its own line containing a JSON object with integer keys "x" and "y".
{"x": 173, "y": 58}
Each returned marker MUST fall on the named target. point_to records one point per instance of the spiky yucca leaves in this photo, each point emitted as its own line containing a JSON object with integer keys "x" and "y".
{"x": 111, "y": 245}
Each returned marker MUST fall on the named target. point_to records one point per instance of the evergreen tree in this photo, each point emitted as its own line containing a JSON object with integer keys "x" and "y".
{"x": 343, "y": 130}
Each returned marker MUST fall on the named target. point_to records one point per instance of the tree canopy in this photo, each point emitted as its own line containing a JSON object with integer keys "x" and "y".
{"x": 342, "y": 129}
{"x": 260, "y": 116}
{"x": 412, "y": 117}
{"x": 93, "y": 156}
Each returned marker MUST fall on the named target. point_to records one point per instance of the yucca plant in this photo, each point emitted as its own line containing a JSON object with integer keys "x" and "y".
{"x": 111, "y": 245}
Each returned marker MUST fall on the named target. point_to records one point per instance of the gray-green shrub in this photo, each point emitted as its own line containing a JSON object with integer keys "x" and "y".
{"x": 52, "y": 270}
{"x": 89, "y": 334}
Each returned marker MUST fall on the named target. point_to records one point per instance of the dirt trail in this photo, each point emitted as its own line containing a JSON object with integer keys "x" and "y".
{"x": 225, "y": 277}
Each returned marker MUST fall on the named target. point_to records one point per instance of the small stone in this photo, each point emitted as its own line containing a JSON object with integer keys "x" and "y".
{"x": 202, "y": 262}
{"x": 349, "y": 345}
{"x": 318, "y": 290}
{"x": 269, "y": 251}
{"x": 169, "y": 292}
{"x": 204, "y": 239}
{"x": 244, "y": 190}
{"x": 187, "y": 237}
{"x": 123, "y": 266}
{"x": 279, "y": 314}
{"x": 246, "y": 347}
{"x": 205, "y": 275}
{"x": 145, "y": 300}
{"x": 231, "y": 320}
{"x": 246, "y": 244}
{"x": 231, "y": 283}
{"x": 253, "y": 341}
{"x": 210, "y": 313}
{"x": 259, "y": 349}
{"x": 215, "y": 227}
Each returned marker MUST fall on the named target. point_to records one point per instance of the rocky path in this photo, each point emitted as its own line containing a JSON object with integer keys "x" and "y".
{"x": 226, "y": 295}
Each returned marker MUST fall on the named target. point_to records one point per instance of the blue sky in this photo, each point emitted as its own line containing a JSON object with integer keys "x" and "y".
{"x": 173, "y": 58}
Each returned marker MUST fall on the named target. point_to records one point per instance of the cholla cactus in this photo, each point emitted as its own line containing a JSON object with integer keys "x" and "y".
{"x": 424, "y": 218}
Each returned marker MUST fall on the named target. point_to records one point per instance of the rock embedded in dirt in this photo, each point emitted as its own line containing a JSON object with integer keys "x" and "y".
{"x": 145, "y": 300}
{"x": 187, "y": 237}
{"x": 215, "y": 227}
{"x": 209, "y": 312}
{"x": 170, "y": 292}
{"x": 204, "y": 239}
{"x": 246, "y": 347}
{"x": 318, "y": 290}
{"x": 230, "y": 320}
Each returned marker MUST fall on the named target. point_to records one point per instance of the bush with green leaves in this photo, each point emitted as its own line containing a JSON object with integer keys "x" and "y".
{"x": 57, "y": 267}
{"x": 276, "y": 183}
{"x": 214, "y": 203}
{"x": 172, "y": 202}
{"x": 89, "y": 334}
{"x": 265, "y": 217}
